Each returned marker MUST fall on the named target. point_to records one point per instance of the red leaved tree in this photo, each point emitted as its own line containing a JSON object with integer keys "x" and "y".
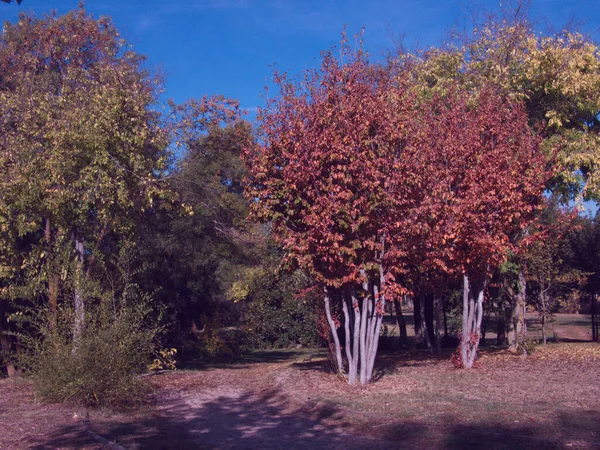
{"x": 323, "y": 177}
{"x": 485, "y": 176}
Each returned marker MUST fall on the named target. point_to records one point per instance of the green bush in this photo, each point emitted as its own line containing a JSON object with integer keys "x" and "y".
{"x": 103, "y": 365}
{"x": 276, "y": 317}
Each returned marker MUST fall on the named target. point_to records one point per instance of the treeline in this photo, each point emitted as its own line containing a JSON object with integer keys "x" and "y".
{"x": 131, "y": 237}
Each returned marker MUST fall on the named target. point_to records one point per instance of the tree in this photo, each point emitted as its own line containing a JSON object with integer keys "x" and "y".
{"x": 484, "y": 176}
{"x": 549, "y": 272}
{"x": 584, "y": 249}
{"x": 82, "y": 153}
{"x": 556, "y": 75}
{"x": 322, "y": 174}
{"x": 199, "y": 253}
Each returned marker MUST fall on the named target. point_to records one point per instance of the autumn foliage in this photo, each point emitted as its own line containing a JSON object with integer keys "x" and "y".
{"x": 367, "y": 185}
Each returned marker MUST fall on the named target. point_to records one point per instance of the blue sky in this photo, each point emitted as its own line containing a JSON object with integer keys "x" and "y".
{"x": 227, "y": 46}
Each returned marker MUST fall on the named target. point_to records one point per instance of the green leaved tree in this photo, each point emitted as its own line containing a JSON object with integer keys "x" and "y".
{"x": 82, "y": 153}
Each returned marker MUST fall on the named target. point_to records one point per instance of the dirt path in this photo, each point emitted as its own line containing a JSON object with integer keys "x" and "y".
{"x": 235, "y": 407}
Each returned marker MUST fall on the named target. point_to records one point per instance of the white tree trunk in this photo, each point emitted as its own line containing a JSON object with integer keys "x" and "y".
{"x": 362, "y": 331}
{"x": 472, "y": 318}
{"x": 350, "y": 355}
{"x": 336, "y": 340}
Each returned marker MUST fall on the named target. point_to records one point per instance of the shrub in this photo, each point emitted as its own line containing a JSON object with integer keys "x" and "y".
{"x": 102, "y": 367}
{"x": 278, "y": 318}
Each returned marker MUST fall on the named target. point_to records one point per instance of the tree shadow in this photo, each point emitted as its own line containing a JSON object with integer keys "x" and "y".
{"x": 267, "y": 420}
{"x": 320, "y": 365}
{"x": 250, "y": 420}
{"x": 498, "y": 436}
{"x": 580, "y": 429}
{"x": 386, "y": 363}
{"x": 569, "y": 340}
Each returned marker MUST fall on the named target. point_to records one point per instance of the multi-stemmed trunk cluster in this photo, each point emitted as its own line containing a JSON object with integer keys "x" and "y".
{"x": 362, "y": 318}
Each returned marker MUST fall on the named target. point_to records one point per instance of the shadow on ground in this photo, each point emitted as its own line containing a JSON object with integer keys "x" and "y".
{"x": 265, "y": 421}
{"x": 245, "y": 421}
{"x": 249, "y": 359}
{"x": 579, "y": 430}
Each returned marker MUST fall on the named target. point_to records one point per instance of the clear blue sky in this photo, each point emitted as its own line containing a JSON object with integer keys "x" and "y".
{"x": 226, "y": 46}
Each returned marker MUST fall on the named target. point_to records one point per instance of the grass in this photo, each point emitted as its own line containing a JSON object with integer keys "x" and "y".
{"x": 569, "y": 327}
{"x": 553, "y": 394}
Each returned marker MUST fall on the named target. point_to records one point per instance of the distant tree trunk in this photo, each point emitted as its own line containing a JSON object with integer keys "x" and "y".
{"x": 517, "y": 333}
{"x": 444, "y": 311}
{"x": 333, "y": 329}
{"x": 419, "y": 339}
{"x": 53, "y": 280}
{"x": 595, "y": 330}
{"x": 500, "y": 325}
{"x": 429, "y": 314}
{"x": 425, "y": 326}
{"x": 544, "y": 310}
{"x": 401, "y": 321}
{"x": 78, "y": 291}
{"x": 471, "y": 326}
{"x": 6, "y": 345}
{"x": 438, "y": 325}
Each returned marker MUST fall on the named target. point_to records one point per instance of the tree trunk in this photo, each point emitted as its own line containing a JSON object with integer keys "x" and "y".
{"x": 78, "y": 301}
{"x": 544, "y": 311}
{"x": 445, "y": 319}
{"x": 419, "y": 341}
{"x": 363, "y": 332}
{"x": 352, "y": 340}
{"x": 517, "y": 333}
{"x": 377, "y": 318}
{"x": 544, "y": 329}
{"x": 594, "y": 320}
{"x": 521, "y": 325}
{"x": 472, "y": 317}
{"x": 53, "y": 281}
{"x": 336, "y": 339}
{"x": 356, "y": 340}
{"x": 362, "y": 335}
{"x": 500, "y": 325}
{"x": 362, "y": 329}
{"x": 429, "y": 314}
{"x": 6, "y": 346}
{"x": 425, "y": 327}
{"x": 438, "y": 325}
{"x": 401, "y": 322}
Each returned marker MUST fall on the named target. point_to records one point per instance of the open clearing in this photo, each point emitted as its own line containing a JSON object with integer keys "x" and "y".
{"x": 289, "y": 399}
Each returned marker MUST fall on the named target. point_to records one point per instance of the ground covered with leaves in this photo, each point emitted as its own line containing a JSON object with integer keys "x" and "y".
{"x": 290, "y": 399}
